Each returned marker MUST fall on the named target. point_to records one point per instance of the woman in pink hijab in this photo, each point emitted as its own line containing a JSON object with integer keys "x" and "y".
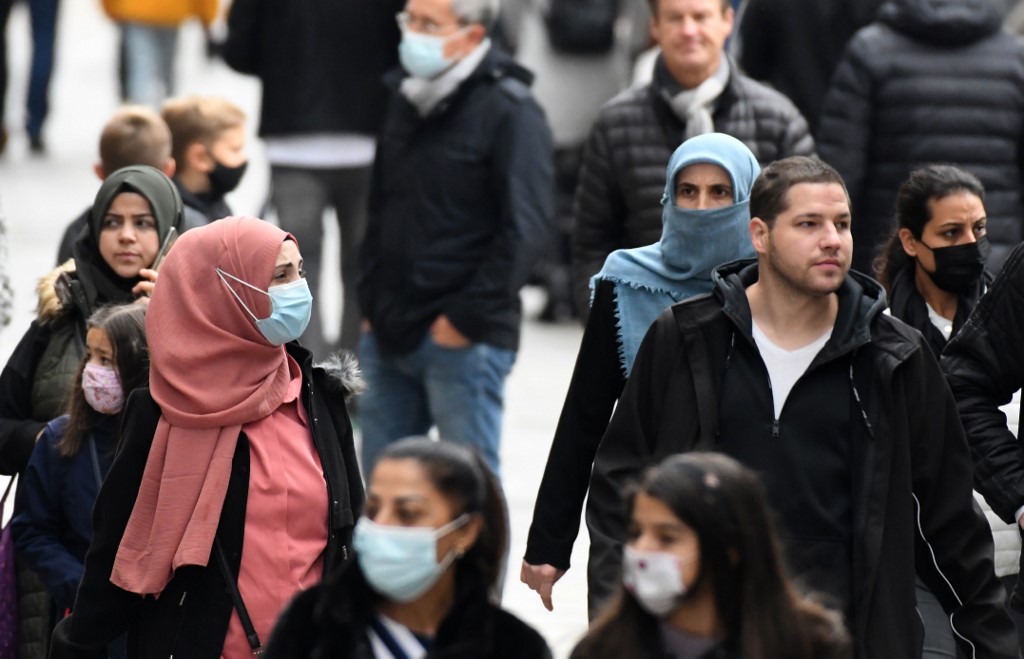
{"x": 236, "y": 479}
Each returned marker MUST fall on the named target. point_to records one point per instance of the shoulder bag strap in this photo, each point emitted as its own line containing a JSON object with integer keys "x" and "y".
{"x": 243, "y": 614}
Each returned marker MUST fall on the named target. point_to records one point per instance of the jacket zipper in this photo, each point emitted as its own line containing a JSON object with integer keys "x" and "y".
{"x": 316, "y": 443}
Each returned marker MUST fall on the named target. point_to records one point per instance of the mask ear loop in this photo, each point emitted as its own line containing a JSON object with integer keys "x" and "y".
{"x": 222, "y": 274}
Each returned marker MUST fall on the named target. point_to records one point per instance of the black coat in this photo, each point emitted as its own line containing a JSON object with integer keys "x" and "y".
{"x": 929, "y": 82}
{"x": 320, "y": 61}
{"x": 461, "y": 206}
{"x": 191, "y": 616}
{"x": 776, "y": 36}
{"x": 984, "y": 363}
{"x": 913, "y": 506}
{"x": 623, "y": 173}
{"x": 330, "y": 621}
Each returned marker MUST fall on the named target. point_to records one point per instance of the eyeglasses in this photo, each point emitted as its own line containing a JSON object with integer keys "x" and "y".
{"x": 425, "y": 25}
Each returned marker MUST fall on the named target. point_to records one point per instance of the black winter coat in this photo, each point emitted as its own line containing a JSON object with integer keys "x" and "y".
{"x": 984, "y": 364}
{"x": 320, "y": 61}
{"x": 929, "y": 82}
{"x": 330, "y": 621}
{"x": 913, "y": 506}
{"x": 623, "y": 173}
{"x": 191, "y": 616}
{"x": 461, "y": 207}
{"x": 776, "y": 37}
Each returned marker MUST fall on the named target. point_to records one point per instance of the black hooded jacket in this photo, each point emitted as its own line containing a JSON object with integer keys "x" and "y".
{"x": 910, "y": 495}
{"x": 931, "y": 81}
{"x": 461, "y": 206}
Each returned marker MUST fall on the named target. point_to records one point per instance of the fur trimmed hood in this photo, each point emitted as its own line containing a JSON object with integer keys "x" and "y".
{"x": 343, "y": 373}
{"x": 50, "y": 304}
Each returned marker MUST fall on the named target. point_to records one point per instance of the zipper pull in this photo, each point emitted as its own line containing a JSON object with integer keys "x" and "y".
{"x": 775, "y": 428}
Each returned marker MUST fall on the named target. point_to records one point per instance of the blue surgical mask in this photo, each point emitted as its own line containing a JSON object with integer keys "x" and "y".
{"x": 422, "y": 55}
{"x": 400, "y": 562}
{"x": 291, "y": 306}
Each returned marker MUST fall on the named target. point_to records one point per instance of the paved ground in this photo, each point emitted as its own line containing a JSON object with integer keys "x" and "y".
{"x": 39, "y": 195}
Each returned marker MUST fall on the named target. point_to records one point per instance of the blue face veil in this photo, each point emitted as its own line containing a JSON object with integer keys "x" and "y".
{"x": 693, "y": 242}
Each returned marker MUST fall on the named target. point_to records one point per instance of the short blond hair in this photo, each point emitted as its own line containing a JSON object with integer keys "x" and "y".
{"x": 199, "y": 119}
{"x": 135, "y": 135}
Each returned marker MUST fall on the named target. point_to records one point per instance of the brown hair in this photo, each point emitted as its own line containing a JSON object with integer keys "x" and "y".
{"x": 199, "y": 119}
{"x": 770, "y": 195}
{"x": 135, "y": 135}
{"x": 125, "y": 327}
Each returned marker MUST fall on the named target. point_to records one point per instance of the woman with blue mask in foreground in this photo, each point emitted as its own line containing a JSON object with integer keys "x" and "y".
{"x": 705, "y": 224}
{"x": 430, "y": 552}
{"x": 702, "y": 575}
{"x": 236, "y": 481}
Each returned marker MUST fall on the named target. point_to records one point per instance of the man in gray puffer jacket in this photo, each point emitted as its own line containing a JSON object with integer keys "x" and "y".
{"x": 696, "y": 89}
{"x": 929, "y": 81}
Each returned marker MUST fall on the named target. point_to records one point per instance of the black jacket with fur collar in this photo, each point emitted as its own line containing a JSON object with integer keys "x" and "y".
{"x": 190, "y": 618}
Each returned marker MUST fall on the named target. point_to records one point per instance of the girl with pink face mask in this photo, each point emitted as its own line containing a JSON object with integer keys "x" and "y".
{"x": 702, "y": 575}
{"x": 52, "y": 526}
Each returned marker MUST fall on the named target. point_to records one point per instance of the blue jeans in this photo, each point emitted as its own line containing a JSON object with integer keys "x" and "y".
{"x": 149, "y": 52}
{"x": 461, "y": 391}
{"x": 43, "y": 16}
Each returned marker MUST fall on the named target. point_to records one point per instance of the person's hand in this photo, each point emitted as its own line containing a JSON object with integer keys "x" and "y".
{"x": 445, "y": 334}
{"x": 144, "y": 288}
{"x": 366, "y": 326}
{"x": 541, "y": 578}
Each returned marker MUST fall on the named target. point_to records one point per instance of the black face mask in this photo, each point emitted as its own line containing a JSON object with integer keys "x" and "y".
{"x": 958, "y": 267}
{"x": 225, "y": 179}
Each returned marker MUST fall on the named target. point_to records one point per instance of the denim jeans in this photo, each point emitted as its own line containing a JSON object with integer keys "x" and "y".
{"x": 43, "y": 19}
{"x": 461, "y": 391}
{"x": 300, "y": 197}
{"x": 43, "y": 15}
{"x": 149, "y": 52}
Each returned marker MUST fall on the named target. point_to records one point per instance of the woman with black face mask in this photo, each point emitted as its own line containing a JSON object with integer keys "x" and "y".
{"x": 934, "y": 266}
{"x": 934, "y": 272}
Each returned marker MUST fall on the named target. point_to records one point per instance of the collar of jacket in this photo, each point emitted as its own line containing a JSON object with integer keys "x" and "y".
{"x": 495, "y": 66}
{"x": 861, "y": 300}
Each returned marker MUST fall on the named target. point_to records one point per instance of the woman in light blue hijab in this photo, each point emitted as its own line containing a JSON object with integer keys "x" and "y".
{"x": 705, "y": 220}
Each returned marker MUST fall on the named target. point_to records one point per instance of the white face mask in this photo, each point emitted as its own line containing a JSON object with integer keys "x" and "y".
{"x": 654, "y": 578}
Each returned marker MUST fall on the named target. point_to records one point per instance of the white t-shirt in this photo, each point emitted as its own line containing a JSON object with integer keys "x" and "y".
{"x": 786, "y": 366}
{"x": 944, "y": 325}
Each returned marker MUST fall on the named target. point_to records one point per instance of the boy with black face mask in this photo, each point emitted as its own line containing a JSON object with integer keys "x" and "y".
{"x": 208, "y": 145}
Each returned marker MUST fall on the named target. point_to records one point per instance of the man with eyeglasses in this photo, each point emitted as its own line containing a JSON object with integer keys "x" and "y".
{"x": 460, "y": 209}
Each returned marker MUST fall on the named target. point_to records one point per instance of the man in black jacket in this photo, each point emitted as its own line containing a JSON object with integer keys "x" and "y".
{"x": 696, "y": 89}
{"x": 460, "y": 208}
{"x": 984, "y": 365}
{"x": 790, "y": 366}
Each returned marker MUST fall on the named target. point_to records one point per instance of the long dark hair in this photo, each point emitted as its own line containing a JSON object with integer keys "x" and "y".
{"x": 932, "y": 182}
{"x": 461, "y": 475}
{"x": 125, "y": 327}
{"x": 740, "y": 558}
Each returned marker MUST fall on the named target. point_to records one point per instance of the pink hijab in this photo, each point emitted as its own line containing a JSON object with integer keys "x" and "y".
{"x": 211, "y": 372}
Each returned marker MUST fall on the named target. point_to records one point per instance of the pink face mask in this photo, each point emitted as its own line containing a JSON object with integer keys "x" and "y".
{"x": 102, "y": 389}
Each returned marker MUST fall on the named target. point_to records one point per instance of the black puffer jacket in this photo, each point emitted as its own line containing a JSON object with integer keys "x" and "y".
{"x": 930, "y": 81}
{"x": 623, "y": 175}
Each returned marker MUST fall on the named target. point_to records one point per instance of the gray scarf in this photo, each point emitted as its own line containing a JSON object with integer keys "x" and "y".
{"x": 425, "y": 95}
{"x": 694, "y": 105}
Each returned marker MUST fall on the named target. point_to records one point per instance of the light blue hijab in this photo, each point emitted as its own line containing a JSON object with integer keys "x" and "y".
{"x": 693, "y": 243}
